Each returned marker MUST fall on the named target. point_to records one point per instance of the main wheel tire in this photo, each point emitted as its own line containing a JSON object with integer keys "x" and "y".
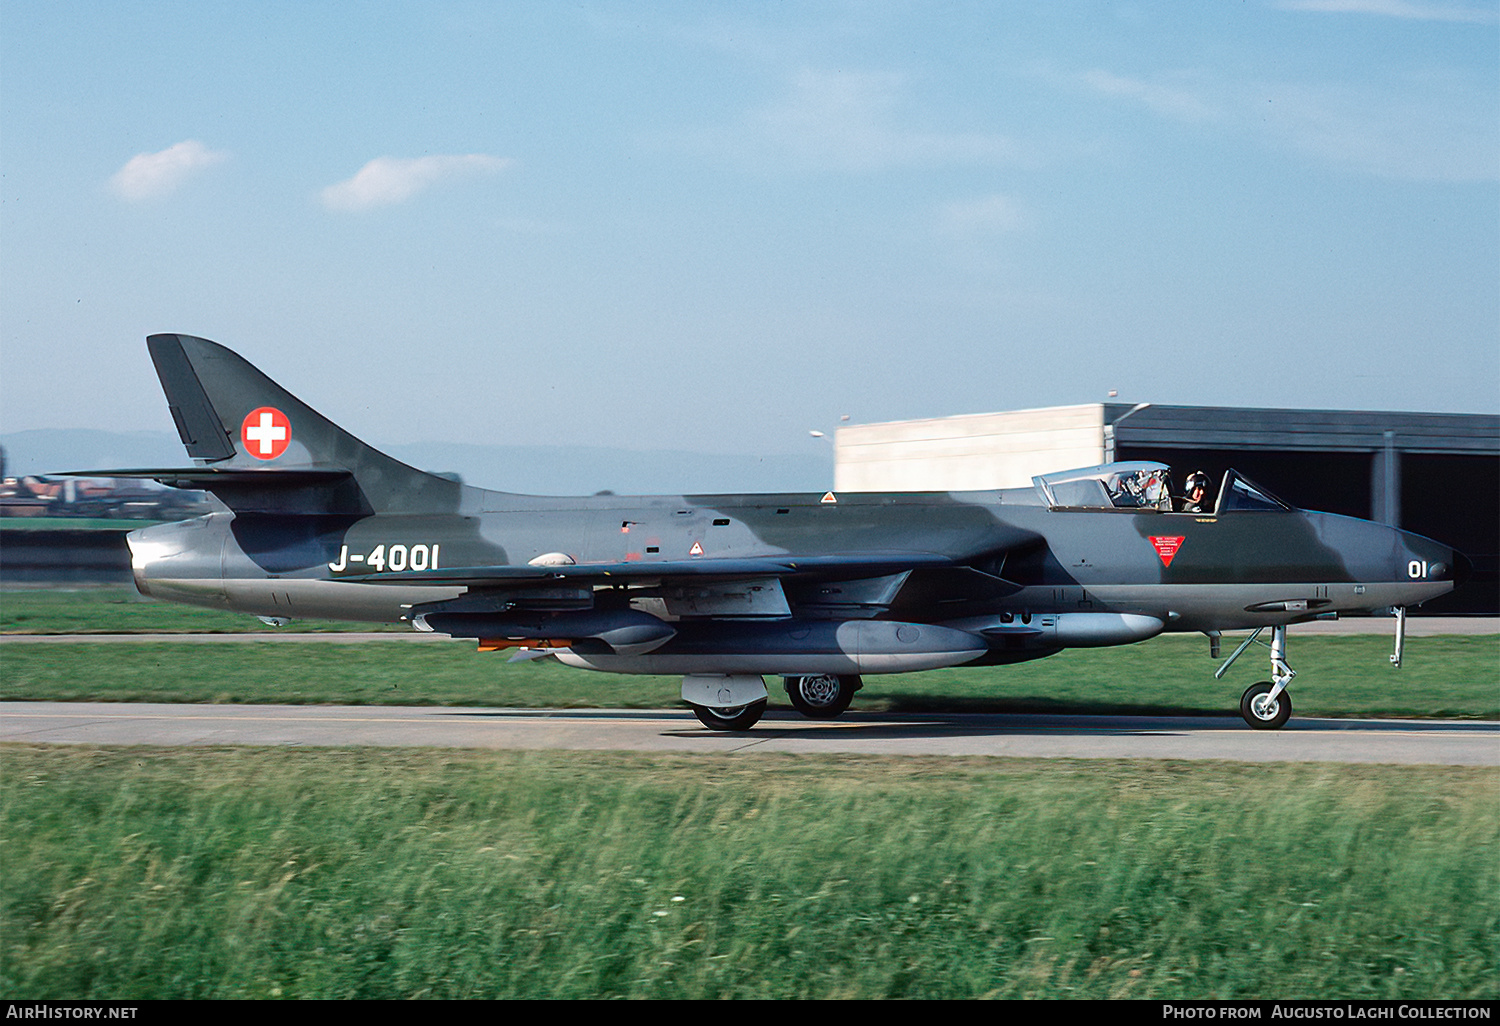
{"x": 822, "y": 696}
{"x": 1262, "y": 714}
{"x": 739, "y": 717}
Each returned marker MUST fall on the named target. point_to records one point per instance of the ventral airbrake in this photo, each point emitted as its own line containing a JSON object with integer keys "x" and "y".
{"x": 822, "y": 590}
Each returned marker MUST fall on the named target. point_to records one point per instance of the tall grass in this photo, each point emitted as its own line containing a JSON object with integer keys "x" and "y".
{"x": 103, "y": 610}
{"x": 156, "y": 873}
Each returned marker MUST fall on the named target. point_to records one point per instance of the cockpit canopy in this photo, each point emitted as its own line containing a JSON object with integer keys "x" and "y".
{"x": 1141, "y": 485}
{"x": 1112, "y": 486}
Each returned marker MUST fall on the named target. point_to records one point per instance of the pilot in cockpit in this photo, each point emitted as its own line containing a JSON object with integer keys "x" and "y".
{"x": 1196, "y": 491}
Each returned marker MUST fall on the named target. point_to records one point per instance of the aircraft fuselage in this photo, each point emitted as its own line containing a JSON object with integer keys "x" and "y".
{"x": 1191, "y": 572}
{"x": 726, "y": 589}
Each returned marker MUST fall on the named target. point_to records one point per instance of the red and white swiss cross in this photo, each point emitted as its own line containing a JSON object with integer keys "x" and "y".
{"x": 266, "y": 433}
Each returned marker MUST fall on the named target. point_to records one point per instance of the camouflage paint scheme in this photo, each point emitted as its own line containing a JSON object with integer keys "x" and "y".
{"x": 723, "y": 588}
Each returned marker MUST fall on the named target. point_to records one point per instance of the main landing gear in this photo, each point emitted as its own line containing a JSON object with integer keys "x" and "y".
{"x": 822, "y": 696}
{"x": 740, "y": 717}
{"x": 736, "y": 701}
{"x": 1266, "y": 705}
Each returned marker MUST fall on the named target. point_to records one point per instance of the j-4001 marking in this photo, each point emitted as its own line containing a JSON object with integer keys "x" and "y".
{"x": 393, "y": 558}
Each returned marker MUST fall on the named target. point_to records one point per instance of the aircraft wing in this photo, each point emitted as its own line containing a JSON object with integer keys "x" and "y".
{"x": 844, "y": 565}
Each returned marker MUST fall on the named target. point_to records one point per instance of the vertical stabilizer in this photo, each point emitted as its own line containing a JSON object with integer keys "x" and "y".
{"x": 232, "y": 417}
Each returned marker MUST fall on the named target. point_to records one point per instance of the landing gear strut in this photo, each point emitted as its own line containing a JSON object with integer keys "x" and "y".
{"x": 1266, "y": 705}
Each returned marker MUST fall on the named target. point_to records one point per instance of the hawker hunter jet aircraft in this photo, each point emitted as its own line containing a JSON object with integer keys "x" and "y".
{"x": 728, "y": 589}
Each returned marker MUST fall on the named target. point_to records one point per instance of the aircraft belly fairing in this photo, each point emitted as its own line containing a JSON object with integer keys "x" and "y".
{"x": 725, "y": 588}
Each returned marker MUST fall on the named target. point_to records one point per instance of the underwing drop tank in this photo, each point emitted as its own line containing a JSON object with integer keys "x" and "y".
{"x": 1063, "y": 630}
{"x": 792, "y": 647}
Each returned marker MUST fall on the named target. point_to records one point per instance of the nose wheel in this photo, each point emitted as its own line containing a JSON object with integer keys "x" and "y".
{"x": 1263, "y": 710}
{"x": 1266, "y": 705}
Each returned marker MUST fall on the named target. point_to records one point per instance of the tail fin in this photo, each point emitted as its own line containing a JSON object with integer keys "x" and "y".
{"x": 264, "y": 449}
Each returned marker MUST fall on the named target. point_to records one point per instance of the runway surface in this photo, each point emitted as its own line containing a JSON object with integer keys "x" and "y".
{"x": 1411, "y": 742}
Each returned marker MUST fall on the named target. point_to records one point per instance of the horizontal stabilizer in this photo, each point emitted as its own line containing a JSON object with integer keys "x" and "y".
{"x": 248, "y": 490}
{"x": 208, "y": 477}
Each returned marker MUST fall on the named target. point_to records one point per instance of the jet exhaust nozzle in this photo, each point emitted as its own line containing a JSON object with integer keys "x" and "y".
{"x": 180, "y": 562}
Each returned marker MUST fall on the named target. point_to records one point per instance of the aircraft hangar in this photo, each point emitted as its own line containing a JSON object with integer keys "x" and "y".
{"x": 1433, "y": 473}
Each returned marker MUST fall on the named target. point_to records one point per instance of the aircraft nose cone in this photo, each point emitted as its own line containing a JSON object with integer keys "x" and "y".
{"x": 1456, "y": 568}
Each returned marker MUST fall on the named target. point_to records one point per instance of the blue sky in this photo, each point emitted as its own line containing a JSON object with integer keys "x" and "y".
{"x": 717, "y": 226}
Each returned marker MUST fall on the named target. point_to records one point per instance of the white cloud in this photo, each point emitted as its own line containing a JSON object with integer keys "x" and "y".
{"x": 149, "y": 175}
{"x": 987, "y": 215}
{"x": 850, "y": 120}
{"x": 1394, "y": 9}
{"x": 1417, "y": 127}
{"x": 387, "y": 180}
{"x": 1170, "y": 101}
{"x": 858, "y": 122}
{"x": 1427, "y": 131}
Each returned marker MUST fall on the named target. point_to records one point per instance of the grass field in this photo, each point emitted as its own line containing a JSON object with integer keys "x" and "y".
{"x": 124, "y": 611}
{"x": 1344, "y": 676}
{"x": 1338, "y": 676}
{"x": 10, "y": 523}
{"x": 162, "y": 873}
{"x": 138, "y": 873}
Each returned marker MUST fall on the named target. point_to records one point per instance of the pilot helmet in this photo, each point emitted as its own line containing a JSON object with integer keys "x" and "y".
{"x": 1197, "y": 479}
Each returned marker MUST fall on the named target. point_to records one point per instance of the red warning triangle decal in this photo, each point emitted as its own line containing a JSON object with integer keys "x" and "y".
{"x": 1166, "y": 548}
{"x": 696, "y": 550}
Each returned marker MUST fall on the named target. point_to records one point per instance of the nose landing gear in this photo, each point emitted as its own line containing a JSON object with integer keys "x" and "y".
{"x": 1266, "y": 705}
{"x": 1262, "y": 710}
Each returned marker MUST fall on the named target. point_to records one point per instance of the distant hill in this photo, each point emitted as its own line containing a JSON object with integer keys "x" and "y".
{"x": 538, "y": 470}
{"x": 54, "y": 450}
